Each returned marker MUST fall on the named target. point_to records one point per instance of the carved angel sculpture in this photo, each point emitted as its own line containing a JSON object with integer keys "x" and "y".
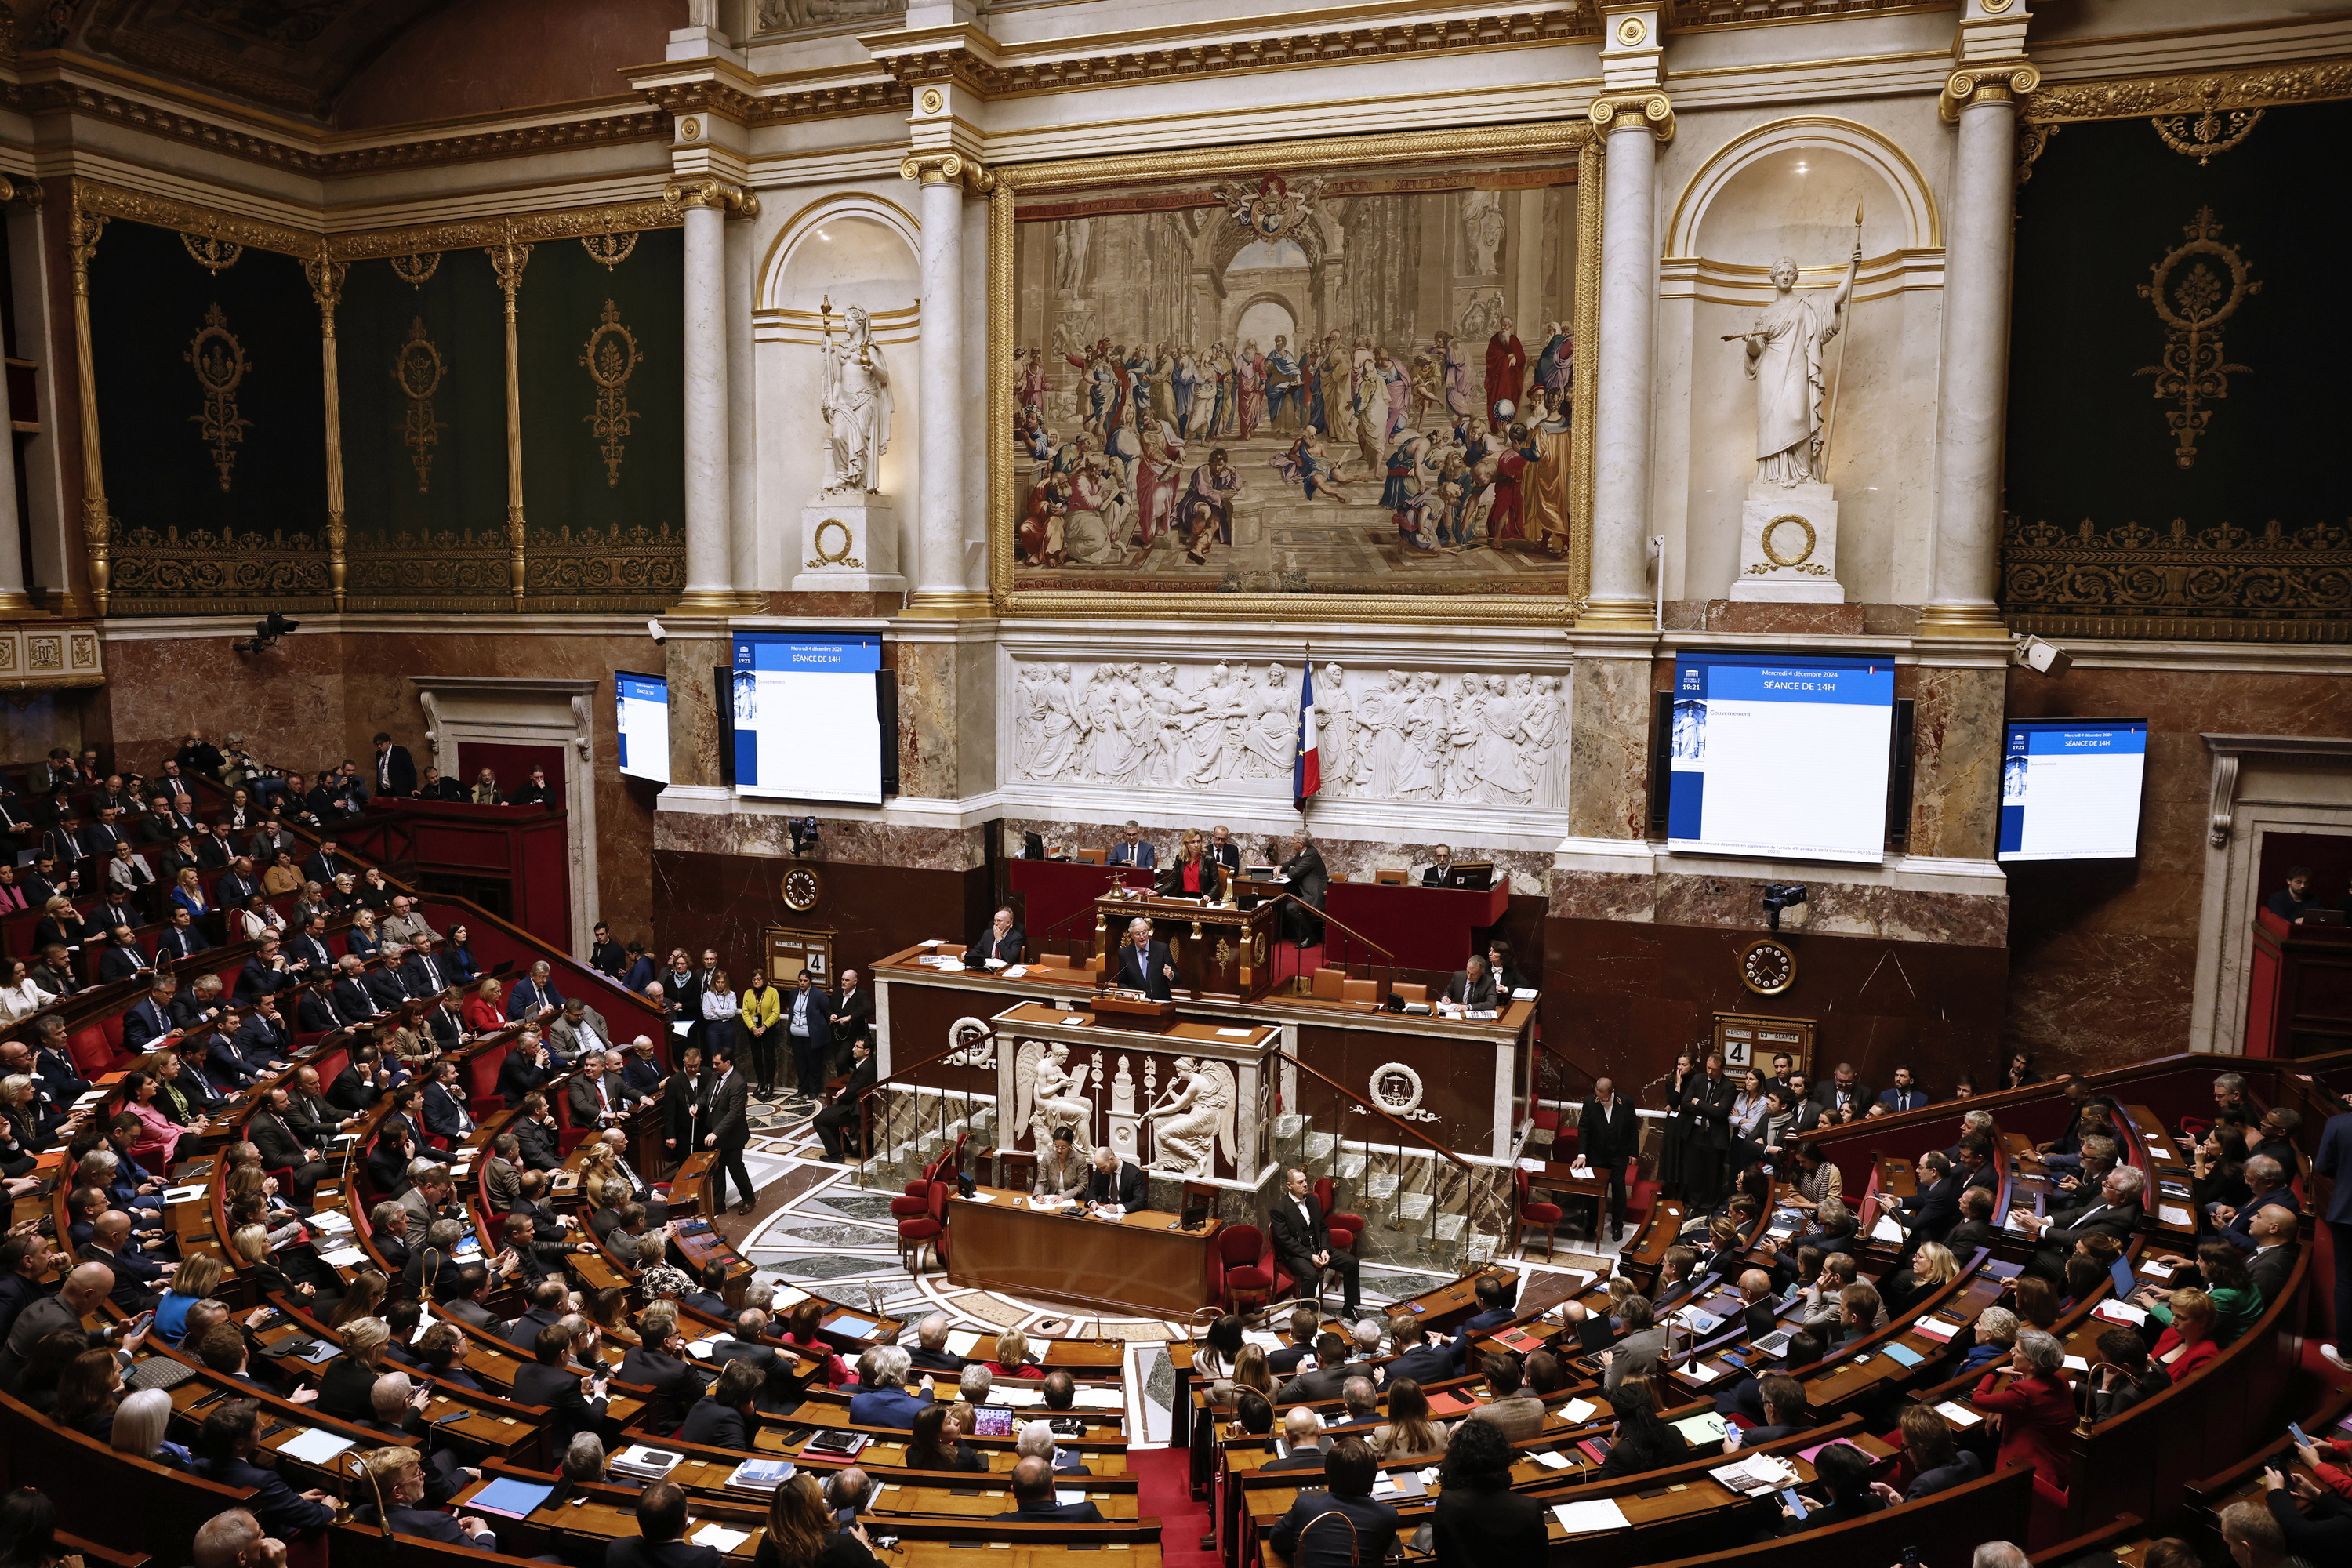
{"x": 1196, "y": 1119}
{"x": 1049, "y": 1093}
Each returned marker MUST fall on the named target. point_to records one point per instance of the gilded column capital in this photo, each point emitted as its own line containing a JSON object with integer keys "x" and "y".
{"x": 947, "y": 168}
{"x": 1999, "y": 82}
{"x": 709, "y": 191}
{"x": 1650, "y": 109}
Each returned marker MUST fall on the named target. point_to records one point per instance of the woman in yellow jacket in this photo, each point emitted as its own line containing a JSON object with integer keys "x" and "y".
{"x": 762, "y": 1007}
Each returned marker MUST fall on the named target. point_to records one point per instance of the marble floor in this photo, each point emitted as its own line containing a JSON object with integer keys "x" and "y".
{"x": 828, "y": 1236}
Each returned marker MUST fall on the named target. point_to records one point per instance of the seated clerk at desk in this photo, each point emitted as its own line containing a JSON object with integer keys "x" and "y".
{"x": 1145, "y": 963}
{"x": 1223, "y": 850}
{"x": 1000, "y": 942}
{"x": 1192, "y": 874}
{"x": 1471, "y": 988}
{"x": 1115, "y": 1182}
{"x": 1134, "y": 849}
{"x": 2293, "y": 902}
{"x": 1439, "y": 866}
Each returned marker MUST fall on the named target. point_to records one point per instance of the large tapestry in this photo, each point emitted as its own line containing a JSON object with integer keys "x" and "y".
{"x": 1329, "y": 380}
{"x": 2173, "y": 467}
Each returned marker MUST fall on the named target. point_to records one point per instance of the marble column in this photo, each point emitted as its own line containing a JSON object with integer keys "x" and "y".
{"x": 14, "y": 601}
{"x": 1972, "y": 400}
{"x": 943, "y": 481}
{"x": 1619, "y": 596}
{"x": 709, "y": 555}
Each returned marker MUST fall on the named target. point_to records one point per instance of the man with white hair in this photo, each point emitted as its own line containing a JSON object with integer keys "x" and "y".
{"x": 2115, "y": 1211}
{"x": 931, "y": 1352}
{"x": 977, "y": 1383}
{"x": 1302, "y": 1432}
{"x": 1999, "y": 1554}
{"x": 1145, "y": 963}
{"x": 583, "y": 1460}
{"x": 1036, "y": 1442}
{"x": 397, "y": 1406}
{"x": 235, "y": 1539}
{"x": 1363, "y": 1402}
{"x": 882, "y": 1399}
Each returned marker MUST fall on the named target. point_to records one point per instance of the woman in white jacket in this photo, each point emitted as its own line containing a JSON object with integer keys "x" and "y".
{"x": 20, "y": 996}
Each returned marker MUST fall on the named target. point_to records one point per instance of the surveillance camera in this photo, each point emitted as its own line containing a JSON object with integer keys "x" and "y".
{"x": 654, "y": 630}
{"x": 1778, "y": 896}
{"x": 2043, "y": 657}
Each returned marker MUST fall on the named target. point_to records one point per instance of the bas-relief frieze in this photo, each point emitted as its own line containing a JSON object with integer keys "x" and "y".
{"x": 1473, "y": 738}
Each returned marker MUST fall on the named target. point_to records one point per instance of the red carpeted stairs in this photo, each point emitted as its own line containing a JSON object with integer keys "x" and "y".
{"x": 1163, "y": 1489}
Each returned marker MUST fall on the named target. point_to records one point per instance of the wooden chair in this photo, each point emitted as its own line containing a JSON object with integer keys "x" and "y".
{"x": 1053, "y": 961}
{"x": 1530, "y": 1215}
{"x": 1390, "y": 876}
{"x": 1358, "y": 990}
{"x": 1094, "y": 857}
{"x": 1409, "y": 990}
{"x": 1330, "y": 984}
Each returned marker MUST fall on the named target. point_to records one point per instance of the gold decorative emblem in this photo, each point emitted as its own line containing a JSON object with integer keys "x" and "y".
{"x": 1768, "y": 966}
{"x": 2195, "y": 369}
{"x": 836, "y": 553}
{"x": 611, "y": 249}
{"x": 1802, "y": 561}
{"x": 1224, "y": 955}
{"x": 45, "y": 653}
{"x": 801, "y": 888}
{"x": 611, "y": 356}
{"x": 1257, "y": 950}
{"x": 2211, "y": 131}
{"x": 218, "y": 360}
{"x": 417, "y": 366}
{"x": 690, "y": 129}
{"x": 933, "y": 100}
{"x": 211, "y": 252}
{"x": 416, "y": 269}
{"x": 1631, "y": 32}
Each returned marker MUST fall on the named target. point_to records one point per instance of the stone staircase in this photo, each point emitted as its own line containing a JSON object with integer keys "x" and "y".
{"x": 1419, "y": 1209}
{"x": 915, "y": 1125}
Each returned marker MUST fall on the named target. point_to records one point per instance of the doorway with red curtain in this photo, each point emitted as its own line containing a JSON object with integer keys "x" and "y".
{"x": 512, "y": 765}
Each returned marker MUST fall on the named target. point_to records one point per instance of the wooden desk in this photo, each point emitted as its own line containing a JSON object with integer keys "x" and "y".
{"x": 1055, "y": 896}
{"x": 1423, "y": 927}
{"x": 1136, "y": 1262}
{"x": 1219, "y": 952}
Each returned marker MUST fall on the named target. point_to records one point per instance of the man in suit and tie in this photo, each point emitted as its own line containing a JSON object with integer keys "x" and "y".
{"x": 727, "y": 1117}
{"x": 388, "y": 983}
{"x": 150, "y": 1018}
{"x": 122, "y": 958}
{"x": 997, "y": 946}
{"x": 852, "y": 1018}
{"x": 1608, "y": 1136}
{"x": 425, "y": 975}
{"x": 308, "y": 950}
{"x": 446, "y": 1023}
{"x": 842, "y": 1109}
{"x": 1471, "y": 988}
{"x": 317, "y": 1013}
{"x": 882, "y": 1399}
{"x": 1706, "y": 1107}
{"x": 808, "y": 1029}
{"x": 1114, "y": 1184}
{"x": 271, "y": 840}
{"x": 396, "y": 771}
{"x": 272, "y": 1130}
{"x": 215, "y": 848}
{"x": 1306, "y": 879}
{"x": 1327, "y": 1381}
{"x": 325, "y": 865}
{"x": 1845, "y": 1092}
{"x": 1934, "y": 1208}
{"x": 1416, "y": 1356}
{"x": 104, "y": 833}
{"x": 2117, "y": 1212}
{"x": 236, "y": 885}
{"x": 266, "y": 971}
{"x": 1905, "y": 1095}
{"x": 535, "y": 997}
{"x": 599, "y": 1098}
{"x": 1035, "y": 1496}
{"x": 1440, "y": 864}
{"x": 1223, "y": 850}
{"x": 2272, "y": 1228}
{"x": 1144, "y": 963}
{"x": 1134, "y": 849}
{"x": 353, "y": 999}
{"x": 262, "y": 1039}
{"x": 1302, "y": 1242}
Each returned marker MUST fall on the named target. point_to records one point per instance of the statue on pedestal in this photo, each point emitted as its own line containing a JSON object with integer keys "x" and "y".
{"x": 1784, "y": 361}
{"x": 857, "y": 403}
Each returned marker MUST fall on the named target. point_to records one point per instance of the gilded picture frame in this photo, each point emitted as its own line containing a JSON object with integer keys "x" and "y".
{"x": 1570, "y": 143}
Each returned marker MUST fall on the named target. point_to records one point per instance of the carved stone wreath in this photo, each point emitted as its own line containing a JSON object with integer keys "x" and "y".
{"x": 1397, "y": 1098}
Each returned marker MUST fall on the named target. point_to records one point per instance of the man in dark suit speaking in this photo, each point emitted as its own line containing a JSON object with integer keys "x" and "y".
{"x": 1607, "y": 1136}
{"x": 1145, "y": 963}
{"x": 1116, "y": 1182}
{"x": 1000, "y": 941}
{"x": 1303, "y": 1242}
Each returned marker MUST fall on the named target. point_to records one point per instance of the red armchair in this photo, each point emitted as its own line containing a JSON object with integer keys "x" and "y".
{"x": 1532, "y": 1214}
{"x": 1243, "y": 1266}
{"x": 928, "y": 1229}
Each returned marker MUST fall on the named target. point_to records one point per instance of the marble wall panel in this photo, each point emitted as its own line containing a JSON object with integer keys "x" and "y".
{"x": 1604, "y": 895}
{"x": 1843, "y": 908}
{"x": 1609, "y": 748}
{"x": 695, "y": 737}
{"x": 928, "y": 719}
{"x": 848, "y": 843}
{"x": 727, "y": 902}
{"x": 1956, "y": 732}
{"x": 1352, "y": 859}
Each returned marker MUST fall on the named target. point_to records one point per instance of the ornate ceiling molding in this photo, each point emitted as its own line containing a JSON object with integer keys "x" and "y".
{"x": 114, "y": 201}
{"x": 2188, "y": 92}
{"x": 1004, "y": 78}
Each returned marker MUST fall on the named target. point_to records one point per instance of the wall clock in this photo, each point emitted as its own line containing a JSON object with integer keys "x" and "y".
{"x": 803, "y": 889}
{"x": 1768, "y": 966}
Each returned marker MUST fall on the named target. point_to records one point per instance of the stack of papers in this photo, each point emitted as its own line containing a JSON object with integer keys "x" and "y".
{"x": 1957, "y": 1415}
{"x": 1086, "y": 1398}
{"x": 1578, "y": 1410}
{"x": 1551, "y": 1459}
{"x": 1937, "y": 1328}
{"x": 1887, "y": 1229}
{"x": 314, "y": 1447}
{"x": 760, "y": 1474}
{"x": 1524, "y": 994}
{"x": 2120, "y": 1312}
{"x": 344, "y": 1258}
{"x": 1708, "y": 1428}
{"x": 1015, "y": 1398}
{"x": 642, "y": 1463}
{"x": 1755, "y": 1475}
{"x": 962, "y": 1342}
{"x": 720, "y": 1537}
{"x": 1591, "y": 1517}
{"x": 2174, "y": 1214}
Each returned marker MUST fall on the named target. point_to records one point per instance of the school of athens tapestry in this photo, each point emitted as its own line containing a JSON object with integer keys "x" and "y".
{"x": 1295, "y": 383}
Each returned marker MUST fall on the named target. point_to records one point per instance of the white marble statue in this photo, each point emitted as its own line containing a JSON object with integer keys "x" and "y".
{"x": 1456, "y": 737}
{"x": 1784, "y": 361}
{"x": 1482, "y": 226}
{"x": 856, "y": 406}
{"x": 1049, "y": 1093}
{"x": 1194, "y": 1120}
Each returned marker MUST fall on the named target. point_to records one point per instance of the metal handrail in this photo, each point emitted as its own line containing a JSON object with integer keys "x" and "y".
{"x": 1451, "y": 1157}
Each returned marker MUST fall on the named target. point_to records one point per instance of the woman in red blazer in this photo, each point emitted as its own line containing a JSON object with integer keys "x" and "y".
{"x": 2188, "y": 1343}
{"x": 2036, "y": 1410}
{"x": 482, "y": 1013}
{"x": 1013, "y": 1356}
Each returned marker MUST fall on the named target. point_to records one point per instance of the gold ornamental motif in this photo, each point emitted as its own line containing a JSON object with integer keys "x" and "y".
{"x": 611, "y": 356}
{"x": 417, "y": 366}
{"x": 611, "y": 249}
{"x": 1225, "y": 953}
{"x": 2273, "y": 583}
{"x": 832, "y": 542}
{"x": 2209, "y": 135}
{"x": 2197, "y": 287}
{"x": 219, "y": 362}
{"x": 416, "y": 269}
{"x": 1771, "y": 548}
{"x": 211, "y": 252}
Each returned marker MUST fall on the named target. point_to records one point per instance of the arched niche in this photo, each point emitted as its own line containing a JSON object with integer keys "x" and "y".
{"x": 1792, "y": 178}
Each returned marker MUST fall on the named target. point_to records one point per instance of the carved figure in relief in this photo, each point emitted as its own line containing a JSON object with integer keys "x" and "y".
{"x": 1195, "y": 1121}
{"x": 1335, "y": 722}
{"x": 1269, "y": 739}
{"x": 856, "y": 406}
{"x": 1049, "y": 1093}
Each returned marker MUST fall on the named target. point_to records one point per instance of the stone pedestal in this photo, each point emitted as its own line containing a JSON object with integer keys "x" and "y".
{"x": 850, "y": 543}
{"x": 1787, "y": 545}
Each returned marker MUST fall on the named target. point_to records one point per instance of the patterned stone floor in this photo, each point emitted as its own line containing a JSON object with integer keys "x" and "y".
{"x": 830, "y": 1236}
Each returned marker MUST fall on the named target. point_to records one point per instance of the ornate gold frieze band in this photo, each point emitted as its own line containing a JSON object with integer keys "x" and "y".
{"x": 709, "y": 191}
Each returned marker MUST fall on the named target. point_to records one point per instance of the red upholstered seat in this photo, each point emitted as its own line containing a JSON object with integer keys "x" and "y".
{"x": 917, "y": 1201}
{"x": 1327, "y": 1195}
{"x": 1532, "y": 1214}
{"x": 1241, "y": 1267}
{"x": 928, "y": 1228}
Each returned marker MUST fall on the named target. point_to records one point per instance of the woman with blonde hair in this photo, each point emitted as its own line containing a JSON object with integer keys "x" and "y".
{"x": 189, "y": 895}
{"x": 195, "y": 1278}
{"x": 392, "y": 1490}
{"x": 361, "y": 940}
{"x": 360, "y": 1298}
{"x": 1252, "y": 1369}
{"x": 1932, "y": 1268}
{"x": 1012, "y": 1358}
{"x": 485, "y": 1010}
{"x": 1192, "y": 873}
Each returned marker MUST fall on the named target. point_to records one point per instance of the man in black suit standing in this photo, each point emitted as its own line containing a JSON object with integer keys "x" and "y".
{"x": 730, "y": 1120}
{"x": 1934, "y": 1208}
{"x": 1302, "y": 1241}
{"x": 852, "y": 1018}
{"x": 1144, "y": 963}
{"x": 1223, "y": 850}
{"x": 395, "y": 774}
{"x": 1706, "y": 1105}
{"x": 1001, "y": 942}
{"x": 1608, "y": 1135}
{"x": 1116, "y": 1183}
{"x": 1307, "y": 881}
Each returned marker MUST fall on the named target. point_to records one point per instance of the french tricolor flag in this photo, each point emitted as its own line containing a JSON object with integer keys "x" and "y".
{"x": 1306, "y": 772}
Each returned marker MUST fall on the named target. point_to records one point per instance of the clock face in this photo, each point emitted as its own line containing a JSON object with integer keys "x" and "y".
{"x": 802, "y": 888}
{"x": 1768, "y": 967}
